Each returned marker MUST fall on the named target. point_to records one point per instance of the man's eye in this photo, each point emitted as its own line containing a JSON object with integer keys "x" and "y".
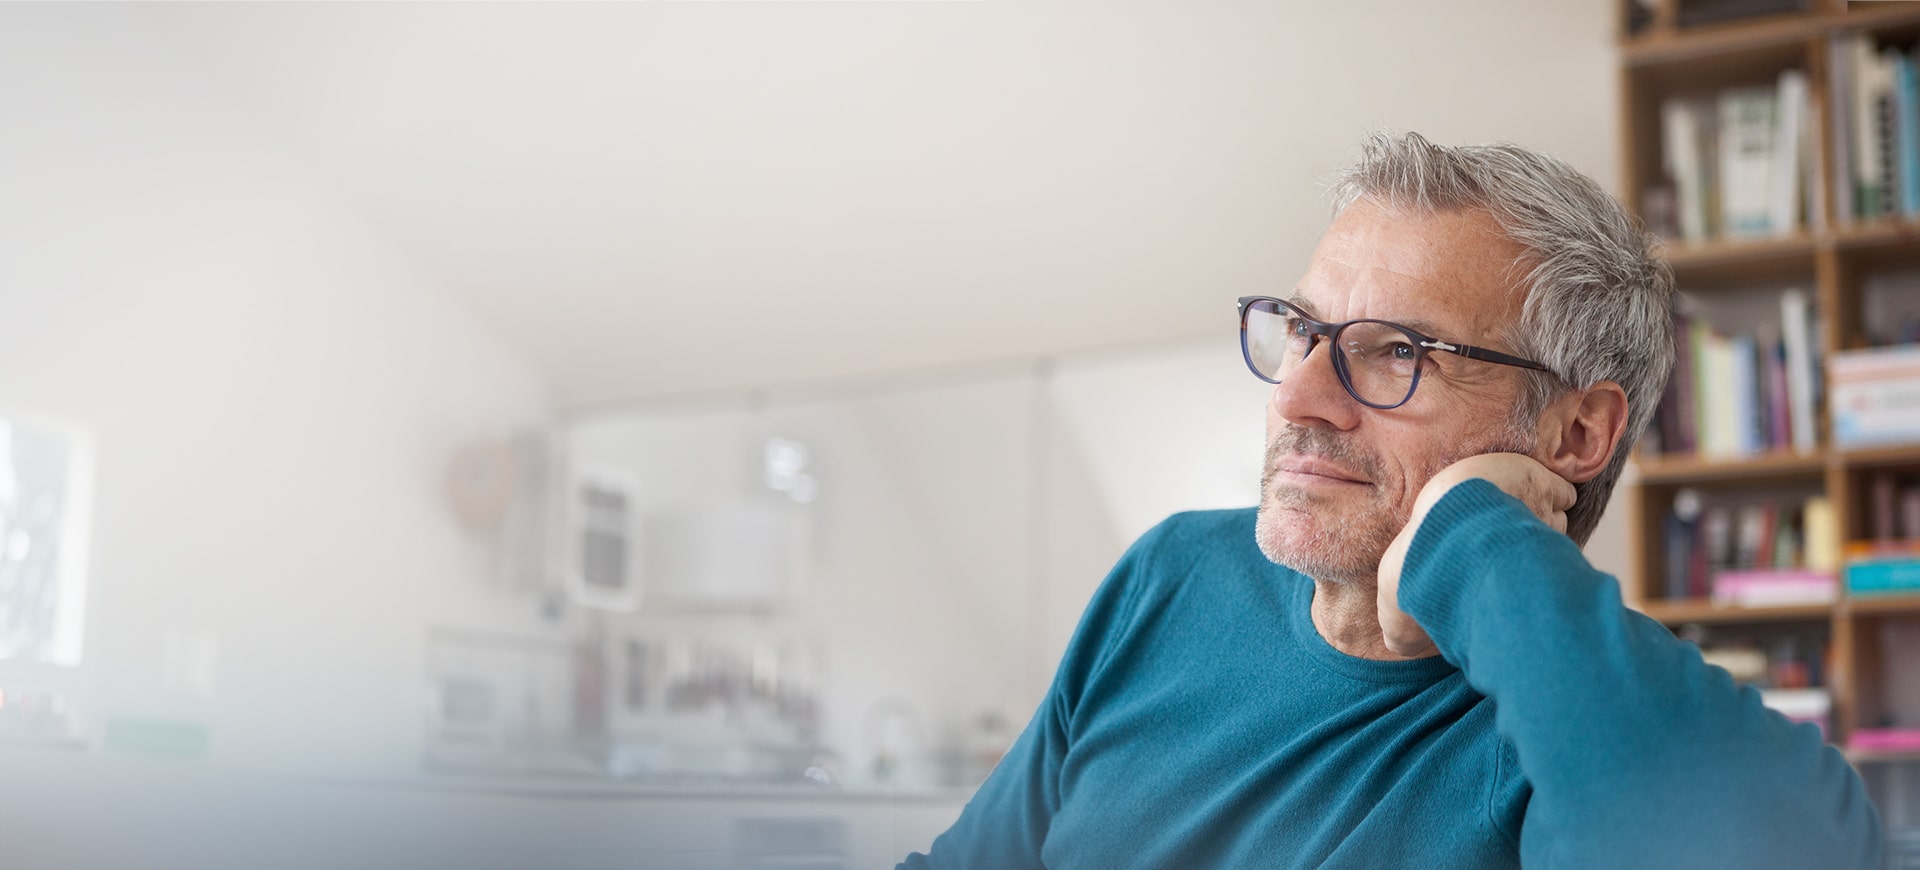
{"x": 1402, "y": 351}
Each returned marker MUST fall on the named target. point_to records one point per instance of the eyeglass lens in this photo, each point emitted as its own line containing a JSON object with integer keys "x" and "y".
{"x": 1377, "y": 361}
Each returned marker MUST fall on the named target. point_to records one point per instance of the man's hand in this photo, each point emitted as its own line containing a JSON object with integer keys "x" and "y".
{"x": 1547, "y": 494}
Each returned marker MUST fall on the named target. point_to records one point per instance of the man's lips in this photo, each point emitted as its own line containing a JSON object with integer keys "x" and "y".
{"x": 1312, "y": 467}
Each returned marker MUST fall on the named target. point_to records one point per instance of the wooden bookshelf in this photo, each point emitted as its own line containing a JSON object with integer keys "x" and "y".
{"x": 1693, "y": 469}
{"x": 1701, "y": 612}
{"x": 1882, "y": 604}
{"x": 1831, "y": 257}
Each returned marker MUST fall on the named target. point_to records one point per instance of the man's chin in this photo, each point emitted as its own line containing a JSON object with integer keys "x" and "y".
{"x": 1279, "y": 532}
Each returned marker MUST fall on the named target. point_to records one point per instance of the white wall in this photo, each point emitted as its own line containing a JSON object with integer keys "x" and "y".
{"x": 631, "y": 191}
{"x": 274, "y": 396}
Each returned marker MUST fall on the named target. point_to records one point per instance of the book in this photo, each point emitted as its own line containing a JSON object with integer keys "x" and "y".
{"x": 1673, "y": 419}
{"x": 1875, "y": 395}
{"x": 1786, "y": 192}
{"x": 1744, "y": 129}
{"x": 1808, "y": 705}
{"x": 1868, "y": 87}
{"x": 1681, "y": 532}
{"x": 1742, "y": 391}
{"x": 1684, "y": 129}
{"x": 1886, "y": 127}
{"x": 1796, "y": 334}
{"x": 1906, "y": 82}
{"x": 1880, "y": 511}
{"x": 1820, "y": 529}
{"x": 1884, "y": 740}
{"x": 1774, "y": 587}
{"x": 1840, "y": 125}
{"x": 1779, "y": 424}
{"x": 1871, "y": 576}
{"x": 1718, "y": 393}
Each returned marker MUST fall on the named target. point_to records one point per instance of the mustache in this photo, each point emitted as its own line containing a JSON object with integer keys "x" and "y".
{"x": 1321, "y": 443}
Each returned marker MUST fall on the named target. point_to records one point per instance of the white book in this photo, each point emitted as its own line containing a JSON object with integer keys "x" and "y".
{"x": 1680, "y": 138}
{"x": 1795, "y": 328}
{"x": 1743, "y": 382}
{"x": 1872, "y": 80}
{"x": 1745, "y": 131}
{"x": 1789, "y": 153}
{"x": 1720, "y": 438}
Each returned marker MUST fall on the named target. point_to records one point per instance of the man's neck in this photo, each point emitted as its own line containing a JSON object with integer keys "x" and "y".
{"x": 1347, "y": 616}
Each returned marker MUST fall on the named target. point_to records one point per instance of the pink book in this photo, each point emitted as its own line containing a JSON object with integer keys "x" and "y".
{"x": 1885, "y": 740}
{"x": 1764, "y": 587}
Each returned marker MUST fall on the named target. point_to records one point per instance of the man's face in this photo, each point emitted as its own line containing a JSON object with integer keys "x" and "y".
{"x": 1340, "y": 478}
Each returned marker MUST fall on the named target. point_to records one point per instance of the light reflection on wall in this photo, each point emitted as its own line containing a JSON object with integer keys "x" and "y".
{"x": 46, "y": 475}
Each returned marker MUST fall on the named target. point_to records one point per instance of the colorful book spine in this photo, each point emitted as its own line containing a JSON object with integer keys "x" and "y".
{"x": 1883, "y": 575}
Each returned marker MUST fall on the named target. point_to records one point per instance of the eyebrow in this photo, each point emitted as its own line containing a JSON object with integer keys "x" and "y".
{"x": 1420, "y": 325}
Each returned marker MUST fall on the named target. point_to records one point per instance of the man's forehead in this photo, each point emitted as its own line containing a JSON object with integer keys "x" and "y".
{"x": 1431, "y": 272}
{"x": 1417, "y": 321}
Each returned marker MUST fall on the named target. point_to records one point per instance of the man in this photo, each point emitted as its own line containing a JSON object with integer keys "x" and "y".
{"x": 1400, "y": 658}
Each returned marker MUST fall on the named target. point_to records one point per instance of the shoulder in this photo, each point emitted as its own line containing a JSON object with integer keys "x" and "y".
{"x": 1200, "y": 532}
{"x": 1190, "y": 542}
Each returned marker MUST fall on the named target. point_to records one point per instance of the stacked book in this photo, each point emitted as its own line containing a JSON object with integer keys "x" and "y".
{"x": 1890, "y": 561}
{"x": 1738, "y": 161}
{"x": 1739, "y": 395}
{"x": 1757, "y": 554}
{"x": 1876, "y": 396}
{"x": 1876, "y": 129}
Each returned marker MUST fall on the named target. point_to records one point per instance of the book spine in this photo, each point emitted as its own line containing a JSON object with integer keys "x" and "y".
{"x": 1742, "y": 376}
{"x": 1680, "y": 151}
{"x": 1688, "y": 439}
{"x": 1839, "y": 127}
{"x": 1779, "y": 423}
{"x": 1892, "y": 575}
{"x": 1785, "y": 191}
{"x": 1864, "y": 112}
{"x": 1745, "y": 128}
{"x": 1796, "y": 334}
{"x": 1885, "y": 135}
{"x": 1907, "y": 113}
{"x": 1680, "y": 536}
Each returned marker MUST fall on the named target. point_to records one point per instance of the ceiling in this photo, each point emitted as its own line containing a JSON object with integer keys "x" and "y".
{"x": 660, "y": 199}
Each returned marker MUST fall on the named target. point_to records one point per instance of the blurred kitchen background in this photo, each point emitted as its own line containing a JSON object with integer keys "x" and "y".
{"x": 698, "y": 425}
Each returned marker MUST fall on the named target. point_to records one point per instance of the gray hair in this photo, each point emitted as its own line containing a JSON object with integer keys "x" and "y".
{"x": 1599, "y": 295}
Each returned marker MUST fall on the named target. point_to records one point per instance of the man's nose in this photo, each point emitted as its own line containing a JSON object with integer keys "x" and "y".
{"x": 1312, "y": 394}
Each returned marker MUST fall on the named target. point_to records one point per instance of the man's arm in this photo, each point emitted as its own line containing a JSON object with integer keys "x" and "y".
{"x": 1639, "y": 753}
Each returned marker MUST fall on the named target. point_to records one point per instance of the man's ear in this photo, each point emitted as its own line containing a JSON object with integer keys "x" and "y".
{"x": 1581, "y": 429}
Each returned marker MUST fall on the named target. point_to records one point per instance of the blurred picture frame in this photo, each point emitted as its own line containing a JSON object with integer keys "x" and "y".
{"x": 602, "y": 550}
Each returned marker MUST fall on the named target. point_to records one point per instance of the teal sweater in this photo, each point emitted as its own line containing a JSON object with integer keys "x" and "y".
{"x": 1199, "y": 720}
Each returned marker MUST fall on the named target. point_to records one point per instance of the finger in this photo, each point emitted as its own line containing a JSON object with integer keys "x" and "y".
{"x": 1562, "y": 492}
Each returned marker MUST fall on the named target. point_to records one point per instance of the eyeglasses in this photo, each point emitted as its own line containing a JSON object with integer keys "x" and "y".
{"x": 1378, "y": 362}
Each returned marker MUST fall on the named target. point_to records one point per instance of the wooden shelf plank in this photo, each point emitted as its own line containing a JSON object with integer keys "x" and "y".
{"x": 1666, "y": 46}
{"x": 1869, "y": 457}
{"x": 1707, "y": 40}
{"x": 1886, "y": 603}
{"x": 1871, "y": 234}
{"x": 1704, "y": 611}
{"x": 1684, "y": 257}
{"x": 1690, "y": 469}
{"x": 1857, "y": 757}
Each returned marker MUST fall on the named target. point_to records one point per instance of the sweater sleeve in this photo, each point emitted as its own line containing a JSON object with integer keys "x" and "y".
{"x": 1638, "y": 751}
{"x": 1005, "y": 823}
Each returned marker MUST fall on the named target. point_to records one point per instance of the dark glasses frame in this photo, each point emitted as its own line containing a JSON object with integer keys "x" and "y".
{"x": 1422, "y": 345}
